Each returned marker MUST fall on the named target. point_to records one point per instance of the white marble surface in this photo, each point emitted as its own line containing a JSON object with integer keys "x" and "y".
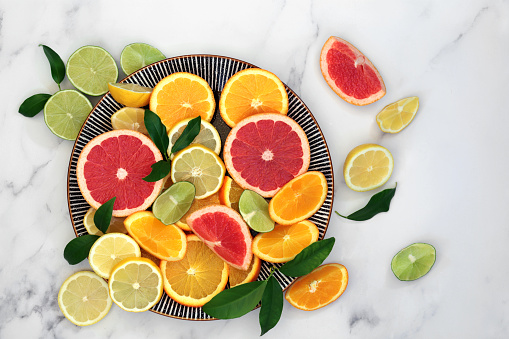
{"x": 450, "y": 163}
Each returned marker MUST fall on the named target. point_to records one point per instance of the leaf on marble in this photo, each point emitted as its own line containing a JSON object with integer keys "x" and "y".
{"x": 78, "y": 248}
{"x": 102, "y": 217}
{"x": 309, "y": 258}
{"x": 378, "y": 203}
{"x": 34, "y": 104}
{"x": 56, "y": 64}
{"x": 272, "y": 305}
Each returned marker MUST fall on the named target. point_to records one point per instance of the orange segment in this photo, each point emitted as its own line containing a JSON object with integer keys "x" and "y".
{"x": 166, "y": 242}
{"x": 252, "y": 91}
{"x": 180, "y": 96}
{"x": 237, "y": 277}
{"x": 196, "y": 205}
{"x": 198, "y": 277}
{"x": 229, "y": 193}
{"x": 299, "y": 199}
{"x": 319, "y": 288}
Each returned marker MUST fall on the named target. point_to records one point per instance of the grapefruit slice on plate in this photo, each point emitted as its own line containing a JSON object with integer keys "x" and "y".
{"x": 349, "y": 73}
{"x": 265, "y": 151}
{"x": 113, "y": 164}
{"x": 224, "y": 231}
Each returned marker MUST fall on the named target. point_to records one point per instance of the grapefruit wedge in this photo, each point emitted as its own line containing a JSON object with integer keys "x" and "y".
{"x": 224, "y": 231}
{"x": 350, "y": 73}
{"x": 114, "y": 164}
{"x": 265, "y": 151}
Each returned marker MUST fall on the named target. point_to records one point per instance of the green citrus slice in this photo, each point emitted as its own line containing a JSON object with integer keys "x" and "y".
{"x": 90, "y": 69}
{"x": 170, "y": 206}
{"x": 138, "y": 55}
{"x": 255, "y": 211}
{"x": 413, "y": 261}
{"x": 65, "y": 112}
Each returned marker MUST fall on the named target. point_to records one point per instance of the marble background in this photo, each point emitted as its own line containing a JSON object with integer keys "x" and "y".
{"x": 450, "y": 163}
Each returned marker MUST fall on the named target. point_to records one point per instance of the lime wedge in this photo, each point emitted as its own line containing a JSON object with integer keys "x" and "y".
{"x": 138, "y": 55}
{"x": 90, "y": 69}
{"x": 255, "y": 211}
{"x": 170, "y": 206}
{"x": 413, "y": 261}
{"x": 65, "y": 112}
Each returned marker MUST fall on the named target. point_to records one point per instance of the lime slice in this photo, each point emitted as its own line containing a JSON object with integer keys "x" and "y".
{"x": 90, "y": 69}
{"x": 255, "y": 211}
{"x": 65, "y": 112}
{"x": 413, "y": 261}
{"x": 129, "y": 118}
{"x": 208, "y": 136}
{"x": 170, "y": 206}
{"x": 138, "y": 55}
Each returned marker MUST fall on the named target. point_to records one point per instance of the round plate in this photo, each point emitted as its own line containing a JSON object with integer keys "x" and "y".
{"x": 216, "y": 70}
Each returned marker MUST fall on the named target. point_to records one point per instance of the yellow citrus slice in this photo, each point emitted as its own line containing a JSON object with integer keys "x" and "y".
{"x": 319, "y": 288}
{"x": 252, "y": 91}
{"x": 116, "y": 224}
{"x": 367, "y": 167}
{"x": 237, "y": 277}
{"x": 229, "y": 193}
{"x": 208, "y": 136}
{"x": 395, "y": 117}
{"x": 129, "y": 118}
{"x": 166, "y": 242}
{"x": 130, "y": 95}
{"x": 84, "y": 298}
{"x": 180, "y": 96}
{"x": 200, "y": 166}
{"x": 196, "y": 205}
{"x": 198, "y": 277}
{"x": 284, "y": 242}
{"x": 136, "y": 284}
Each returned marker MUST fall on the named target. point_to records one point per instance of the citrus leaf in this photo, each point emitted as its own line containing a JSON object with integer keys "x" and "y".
{"x": 160, "y": 169}
{"x": 34, "y": 104}
{"x": 235, "y": 302}
{"x": 77, "y": 249}
{"x": 157, "y": 131}
{"x": 272, "y": 305}
{"x": 308, "y": 259}
{"x": 378, "y": 203}
{"x": 56, "y": 64}
{"x": 102, "y": 216}
{"x": 190, "y": 132}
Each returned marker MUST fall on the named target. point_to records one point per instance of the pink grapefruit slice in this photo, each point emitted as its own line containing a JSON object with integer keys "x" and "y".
{"x": 350, "y": 73}
{"x": 265, "y": 151}
{"x": 114, "y": 164}
{"x": 224, "y": 231}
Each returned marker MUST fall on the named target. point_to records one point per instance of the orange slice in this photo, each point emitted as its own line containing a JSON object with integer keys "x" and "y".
{"x": 198, "y": 277}
{"x": 166, "y": 242}
{"x": 180, "y": 96}
{"x": 319, "y": 288}
{"x": 196, "y": 205}
{"x": 229, "y": 193}
{"x": 284, "y": 242}
{"x": 252, "y": 91}
{"x": 237, "y": 277}
{"x": 299, "y": 199}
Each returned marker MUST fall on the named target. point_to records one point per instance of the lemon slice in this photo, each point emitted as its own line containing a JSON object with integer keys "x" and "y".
{"x": 131, "y": 95}
{"x": 116, "y": 224}
{"x": 129, "y": 118}
{"x": 136, "y": 284}
{"x": 84, "y": 298}
{"x": 396, "y": 116}
{"x": 109, "y": 250}
{"x": 208, "y": 136}
{"x": 367, "y": 167}
{"x": 200, "y": 166}
{"x": 138, "y": 55}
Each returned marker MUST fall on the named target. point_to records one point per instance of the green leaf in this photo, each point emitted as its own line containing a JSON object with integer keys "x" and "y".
{"x": 378, "y": 203}
{"x": 34, "y": 104}
{"x": 272, "y": 305}
{"x": 157, "y": 132}
{"x": 56, "y": 64}
{"x": 160, "y": 169}
{"x": 102, "y": 216}
{"x": 308, "y": 259}
{"x": 190, "y": 132}
{"x": 78, "y": 248}
{"x": 235, "y": 302}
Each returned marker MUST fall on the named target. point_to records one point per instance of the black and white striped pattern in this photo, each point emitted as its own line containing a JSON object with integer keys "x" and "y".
{"x": 216, "y": 70}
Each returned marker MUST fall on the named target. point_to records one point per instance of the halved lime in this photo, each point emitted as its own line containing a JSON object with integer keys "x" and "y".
{"x": 255, "y": 211}
{"x": 138, "y": 55}
{"x": 208, "y": 135}
{"x": 170, "y": 206}
{"x": 413, "y": 261}
{"x": 65, "y": 112}
{"x": 90, "y": 69}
